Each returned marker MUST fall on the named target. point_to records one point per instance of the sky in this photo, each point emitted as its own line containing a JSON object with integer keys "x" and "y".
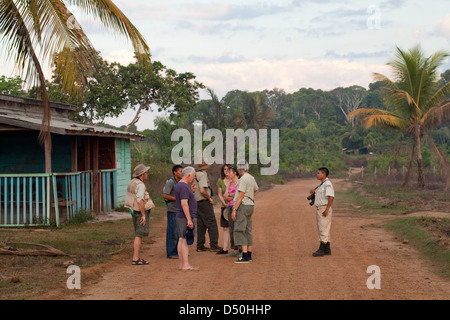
{"x": 287, "y": 44}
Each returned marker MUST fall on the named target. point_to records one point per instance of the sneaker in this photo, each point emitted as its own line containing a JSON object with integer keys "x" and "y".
{"x": 234, "y": 254}
{"x": 221, "y": 251}
{"x": 243, "y": 259}
{"x": 214, "y": 249}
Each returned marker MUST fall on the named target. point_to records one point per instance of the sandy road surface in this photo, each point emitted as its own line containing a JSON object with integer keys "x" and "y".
{"x": 283, "y": 268}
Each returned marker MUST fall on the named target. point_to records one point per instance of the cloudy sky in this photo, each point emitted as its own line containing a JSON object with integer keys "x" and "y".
{"x": 288, "y": 44}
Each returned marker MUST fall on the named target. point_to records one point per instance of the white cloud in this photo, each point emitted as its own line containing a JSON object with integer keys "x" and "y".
{"x": 124, "y": 57}
{"x": 443, "y": 27}
{"x": 290, "y": 75}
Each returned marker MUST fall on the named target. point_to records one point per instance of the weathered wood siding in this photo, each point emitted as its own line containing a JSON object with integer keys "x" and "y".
{"x": 123, "y": 165}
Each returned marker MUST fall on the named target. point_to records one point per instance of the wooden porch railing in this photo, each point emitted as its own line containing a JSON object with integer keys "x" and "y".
{"x": 40, "y": 199}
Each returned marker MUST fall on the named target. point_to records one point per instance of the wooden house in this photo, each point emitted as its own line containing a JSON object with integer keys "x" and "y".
{"x": 90, "y": 165}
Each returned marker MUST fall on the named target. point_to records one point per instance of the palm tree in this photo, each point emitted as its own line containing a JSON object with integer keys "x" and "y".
{"x": 47, "y": 27}
{"x": 258, "y": 113}
{"x": 416, "y": 101}
{"x": 213, "y": 112}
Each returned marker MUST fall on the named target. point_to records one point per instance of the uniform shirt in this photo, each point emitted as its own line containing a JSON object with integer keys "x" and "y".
{"x": 323, "y": 192}
{"x": 248, "y": 185}
{"x": 202, "y": 181}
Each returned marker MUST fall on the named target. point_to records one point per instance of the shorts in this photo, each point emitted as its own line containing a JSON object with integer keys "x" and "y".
{"x": 243, "y": 234}
{"x": 223, "y": 219}
{"x": 182, "y": 225}
{"x": 139, "y": 230}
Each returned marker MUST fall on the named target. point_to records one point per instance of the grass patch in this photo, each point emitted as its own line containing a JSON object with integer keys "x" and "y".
{"x": 430, "y": 236}
{"x": 355, "y": 201}
{"x": 26, "y": 277}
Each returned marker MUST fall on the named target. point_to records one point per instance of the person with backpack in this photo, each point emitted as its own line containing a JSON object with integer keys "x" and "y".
{"x": 169, "y": 198}
{"x": 135, "y": 201}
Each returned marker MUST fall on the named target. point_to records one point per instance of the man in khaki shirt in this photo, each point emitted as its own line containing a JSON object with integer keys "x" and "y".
{"x": 206, "y": 220}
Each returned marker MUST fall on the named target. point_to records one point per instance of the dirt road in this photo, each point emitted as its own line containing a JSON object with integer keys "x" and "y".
{"x": 283, "y": 268}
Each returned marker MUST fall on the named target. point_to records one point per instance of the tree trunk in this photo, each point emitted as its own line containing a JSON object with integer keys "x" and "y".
{"x": 420, "y": 175}
{"x": 138, "y": 113}
{"x": 408, "y": 173}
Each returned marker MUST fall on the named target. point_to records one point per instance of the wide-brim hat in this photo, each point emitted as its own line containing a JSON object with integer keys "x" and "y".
{"x": 140, "y": 169}
{"x": 202, "y": 166}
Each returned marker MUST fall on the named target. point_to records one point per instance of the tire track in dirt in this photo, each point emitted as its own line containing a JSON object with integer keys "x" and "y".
{"x": 283, "y": 268}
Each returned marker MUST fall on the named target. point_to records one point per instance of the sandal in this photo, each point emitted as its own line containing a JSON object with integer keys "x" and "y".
{"x": 189, "y": 269}
{"x": 139, "y": 262}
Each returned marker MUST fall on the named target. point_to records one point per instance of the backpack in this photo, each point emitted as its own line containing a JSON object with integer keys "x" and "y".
{"x": 175, "y": 182}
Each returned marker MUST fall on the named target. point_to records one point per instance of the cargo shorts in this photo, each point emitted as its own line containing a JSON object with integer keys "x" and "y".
{"x": 141, "y": 230}
{"x": 243, "y": 234}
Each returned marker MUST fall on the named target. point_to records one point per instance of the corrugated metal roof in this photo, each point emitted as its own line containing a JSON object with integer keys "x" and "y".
{"x": 22, "y": 118}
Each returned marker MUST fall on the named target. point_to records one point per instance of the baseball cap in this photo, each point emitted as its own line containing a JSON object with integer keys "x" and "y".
{"x": 189, "y": 235}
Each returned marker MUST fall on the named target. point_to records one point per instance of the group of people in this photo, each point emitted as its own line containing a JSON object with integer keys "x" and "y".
{"x": 190, "y": 212}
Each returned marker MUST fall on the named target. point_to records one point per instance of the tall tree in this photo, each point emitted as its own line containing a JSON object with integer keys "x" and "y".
{"x": 162, "y": 87}
{"x": 29, "y": 27}
{"x": 417, "y": 103}
{"x": 349, "y": 99}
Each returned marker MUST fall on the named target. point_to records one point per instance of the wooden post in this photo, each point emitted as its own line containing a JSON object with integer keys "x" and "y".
{"x": 87, "y": 153}
{"x": 96, "y": 184}
{"x": 74, "y": 154}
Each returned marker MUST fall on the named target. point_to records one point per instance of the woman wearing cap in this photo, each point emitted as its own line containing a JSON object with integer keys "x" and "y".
{"x": 134, "y": 200}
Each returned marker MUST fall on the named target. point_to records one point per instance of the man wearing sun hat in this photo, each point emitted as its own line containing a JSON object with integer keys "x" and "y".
{"x": 134, "y": 200}
{"x": 205, "y": 210}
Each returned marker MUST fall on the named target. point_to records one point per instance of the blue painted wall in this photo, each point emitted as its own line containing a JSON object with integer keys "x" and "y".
{"x": 123, "y": 165}
{"x": 20, "y": 152}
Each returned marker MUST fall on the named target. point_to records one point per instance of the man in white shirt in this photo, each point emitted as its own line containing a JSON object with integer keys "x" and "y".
{"x": 134, "y": 200}
{"x": 324, "y": 196}
{"x": 243, "y": 210}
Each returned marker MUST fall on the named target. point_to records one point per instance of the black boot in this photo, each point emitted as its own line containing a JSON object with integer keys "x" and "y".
{"x": 327, "y": 250}
{"x": 321, "y": 251}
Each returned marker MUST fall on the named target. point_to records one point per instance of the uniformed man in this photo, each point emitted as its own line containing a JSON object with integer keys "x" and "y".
{"x": 324, "y": 196}
{"x": 206, "y": 220}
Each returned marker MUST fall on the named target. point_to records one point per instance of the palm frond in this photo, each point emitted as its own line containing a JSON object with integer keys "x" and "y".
{"x": 439, "y": 95}
{"x": 62, "y": 41}
{"x": 398, "y": 99}
{"x": 442, "y": 159}
{"x": 437, "y": 115}
{"x": 113, "y": 18}
{"x": 376, "y": 117}
{"x": 19, "y": 40}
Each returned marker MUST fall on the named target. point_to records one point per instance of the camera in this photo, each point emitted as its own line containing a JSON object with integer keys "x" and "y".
{"x": 311, "y": 197}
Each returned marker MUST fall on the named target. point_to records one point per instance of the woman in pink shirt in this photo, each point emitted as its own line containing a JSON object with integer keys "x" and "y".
{"x": 233, "y": 175}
